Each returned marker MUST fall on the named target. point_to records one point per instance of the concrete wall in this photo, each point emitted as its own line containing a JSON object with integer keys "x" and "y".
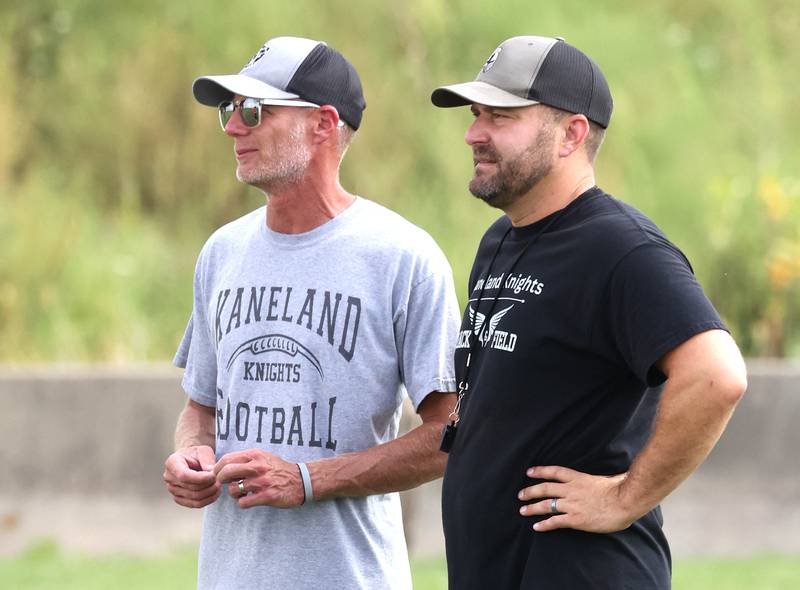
{"x": 746, "y": 497}
{"x": 84, "y": 448}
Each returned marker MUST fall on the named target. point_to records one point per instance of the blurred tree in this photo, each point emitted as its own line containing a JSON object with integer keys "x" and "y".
{"x": 111, "y": 176}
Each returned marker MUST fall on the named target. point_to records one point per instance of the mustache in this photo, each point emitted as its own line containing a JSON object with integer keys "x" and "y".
{"x": 485, "y": 152}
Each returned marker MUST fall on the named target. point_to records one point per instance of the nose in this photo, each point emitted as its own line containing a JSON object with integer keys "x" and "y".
{"x": 476, "y": 132}
{"x": 235, "y": 126}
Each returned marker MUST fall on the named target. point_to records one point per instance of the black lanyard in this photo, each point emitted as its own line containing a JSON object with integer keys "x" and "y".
{"x": 450, "y": 430}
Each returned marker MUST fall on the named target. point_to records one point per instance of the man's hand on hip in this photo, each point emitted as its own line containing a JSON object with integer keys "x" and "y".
{"x": 259, "y": 478}
{"x": 576, "y": 500}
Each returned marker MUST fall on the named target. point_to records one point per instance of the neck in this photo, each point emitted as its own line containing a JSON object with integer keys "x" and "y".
{"x": 551, "y": 194}
{"x": 308, "y": 203}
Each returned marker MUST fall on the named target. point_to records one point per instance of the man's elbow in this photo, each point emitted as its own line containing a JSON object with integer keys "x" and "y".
{"x": 731, "y": 386}
{"x": 725, "y": 367}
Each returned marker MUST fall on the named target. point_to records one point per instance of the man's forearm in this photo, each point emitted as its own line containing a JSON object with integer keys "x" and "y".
{"x": 195, "y": 426}
{"x": 401, "y": 464}
{"x": 693, "y": 413}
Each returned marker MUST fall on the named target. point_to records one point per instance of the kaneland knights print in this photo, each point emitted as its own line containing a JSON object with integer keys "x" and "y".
{"x": 282, "y": 307}
{"x": 328, "y": 319}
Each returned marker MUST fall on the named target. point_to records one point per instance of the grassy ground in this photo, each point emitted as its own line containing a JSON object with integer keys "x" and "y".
{"x": 45, "y": 568}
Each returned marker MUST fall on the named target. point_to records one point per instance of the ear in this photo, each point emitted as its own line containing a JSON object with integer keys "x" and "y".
{"x": 327, "y": 124}
{"x": 575, "y": 128}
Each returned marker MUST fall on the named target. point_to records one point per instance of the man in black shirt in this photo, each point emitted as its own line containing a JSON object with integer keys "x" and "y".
{"x": 560, "y": 448}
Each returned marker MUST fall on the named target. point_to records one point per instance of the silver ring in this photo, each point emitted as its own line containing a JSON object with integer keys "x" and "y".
{"x": 554, "y": 505}
{"x": 241, "y": 487}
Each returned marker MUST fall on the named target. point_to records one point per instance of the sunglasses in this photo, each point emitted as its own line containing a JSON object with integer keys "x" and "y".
{"x": 250, "y": 110}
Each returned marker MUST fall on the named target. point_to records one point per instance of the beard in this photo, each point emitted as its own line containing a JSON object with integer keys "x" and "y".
{"x": 285, "y": 167}
{"x": 515, "y": 176}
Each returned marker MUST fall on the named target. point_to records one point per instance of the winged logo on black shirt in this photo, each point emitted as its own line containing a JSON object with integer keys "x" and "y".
{"x": 478, "y": 319}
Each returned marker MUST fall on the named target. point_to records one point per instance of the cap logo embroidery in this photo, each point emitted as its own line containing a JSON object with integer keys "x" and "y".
{"x": 492, "y": 58}
{"x": 259, "y": 54}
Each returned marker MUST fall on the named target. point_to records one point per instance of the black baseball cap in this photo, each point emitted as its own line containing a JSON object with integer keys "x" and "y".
{"x": 291, "y": 71}
{"x": 530, "y": 70}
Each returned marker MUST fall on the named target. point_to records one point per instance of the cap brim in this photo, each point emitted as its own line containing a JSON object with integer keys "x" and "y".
{"x": 459, "y": 95}
{"x": 212, "y": 90}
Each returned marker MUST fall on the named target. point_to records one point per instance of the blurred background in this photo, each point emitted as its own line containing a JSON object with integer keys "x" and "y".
{"x": 112, "y": 177}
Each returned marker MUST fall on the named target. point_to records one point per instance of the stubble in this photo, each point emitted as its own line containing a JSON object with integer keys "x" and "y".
{"x": 285, "y": 167}
{"x": 514, "y": 176}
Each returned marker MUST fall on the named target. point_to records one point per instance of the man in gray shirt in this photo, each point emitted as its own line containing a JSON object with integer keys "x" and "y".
{"x": 312, "y": 318}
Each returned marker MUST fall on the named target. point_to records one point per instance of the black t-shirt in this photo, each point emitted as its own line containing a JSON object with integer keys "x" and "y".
{"x": 561, "y": 377}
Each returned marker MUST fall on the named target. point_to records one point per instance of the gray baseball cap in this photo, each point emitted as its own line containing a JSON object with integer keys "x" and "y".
{"x": 530, "y": 70}
{"x": 291, "y": 71}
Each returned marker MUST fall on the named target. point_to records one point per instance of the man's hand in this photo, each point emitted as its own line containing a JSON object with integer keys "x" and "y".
{"x": 584, "y": 502}
{"x": 268, "y": 480}
{"x": 189, "y": 475}
{"x": 706, "y": 377}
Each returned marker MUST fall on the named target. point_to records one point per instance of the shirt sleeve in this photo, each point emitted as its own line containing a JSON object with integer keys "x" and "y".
{"x": 655, "y": 303}
{"x": 196, "y": 353}
{"x": 426, "y": 329}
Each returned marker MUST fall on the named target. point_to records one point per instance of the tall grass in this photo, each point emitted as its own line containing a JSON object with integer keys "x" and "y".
{"x": 111, "y": 176}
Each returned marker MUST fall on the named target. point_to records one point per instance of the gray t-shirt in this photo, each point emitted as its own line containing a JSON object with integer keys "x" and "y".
{"x": 306, "y": 344}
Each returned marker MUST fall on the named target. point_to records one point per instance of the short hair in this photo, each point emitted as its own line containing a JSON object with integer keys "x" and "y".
{"x": 594, "y": 139}
{"x": 345, "y": 138}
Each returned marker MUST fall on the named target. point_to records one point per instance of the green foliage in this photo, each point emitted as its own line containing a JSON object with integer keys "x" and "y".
{"x": 111, "y": 176}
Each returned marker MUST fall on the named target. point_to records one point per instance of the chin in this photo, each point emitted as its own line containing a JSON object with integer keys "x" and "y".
{"x": 245, "y": 177}
{"x": 491, "y": 195}
{"x": 482, "y": 189}
{"x": 486, "y": 197}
